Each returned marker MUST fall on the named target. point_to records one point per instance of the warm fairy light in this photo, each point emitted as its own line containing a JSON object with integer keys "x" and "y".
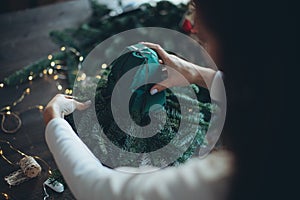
{"x": 55, "y": 77}
{"x": 7, "y": 107}
{"x": 190, "y": 110}
{"x": 83, "y": 76}
{"x": 68, "y": 91}
{"x": 81, "y": 58}
{"x": 104, "y": 66}
{"x": 63, "y": 48}
{"x": 50, "y": 71}
{"x": 8, "y": 112}
{"x": 30, "y": 78}
{"x": 1, "y": 85}
{"x": 27, "y": 90}
{"x": 58, "y": 67}
{"x": 40, "y": 107}
{"x": 59, "y": 87}
{"x": 45, "y": 71}
{"x": 98, "y": 77}
{"x": 52, "y": 64}
{"x": 50, "y": 57}
{"x": 5, "y": 196}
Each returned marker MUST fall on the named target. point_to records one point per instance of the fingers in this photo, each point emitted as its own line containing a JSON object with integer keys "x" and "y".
{"x": 82, "y": 106}
{"x": 161, "y": 52}
{"x": 78, "y": 105}
{"x": 160, "y": 87}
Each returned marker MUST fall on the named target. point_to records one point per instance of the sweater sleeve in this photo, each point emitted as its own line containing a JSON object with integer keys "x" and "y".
{"x": 87, "y": 178}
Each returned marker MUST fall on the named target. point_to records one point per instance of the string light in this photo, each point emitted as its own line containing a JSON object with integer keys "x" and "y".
{"x": 58, "y": 67}
{"x": 104, "y": 66}
{"x": 63, "y": 48}
{"x": 50, "y": 71}
{"x": 7, "y": 111}
{"x": 59, "y": 87}
{"x": 6, "y": 197}
{"x": 50, "y": 57}
{"x": 68, "y": 91}
{"x": 98, "y": 77}
{"x": 55, "y": 77}
{"x": 27, "y": 91}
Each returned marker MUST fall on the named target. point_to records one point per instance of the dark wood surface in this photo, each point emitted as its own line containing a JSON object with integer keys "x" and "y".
{"x": 24, "y": 39}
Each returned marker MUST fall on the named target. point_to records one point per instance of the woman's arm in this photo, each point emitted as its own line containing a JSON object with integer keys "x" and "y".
{"x": 87, "y": 178}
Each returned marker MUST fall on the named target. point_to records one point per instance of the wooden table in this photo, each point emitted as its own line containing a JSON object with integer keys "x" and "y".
{"x": 24, "y": 39}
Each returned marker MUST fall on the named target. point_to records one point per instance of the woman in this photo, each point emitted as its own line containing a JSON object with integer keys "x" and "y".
{"x": 197, "y": 179}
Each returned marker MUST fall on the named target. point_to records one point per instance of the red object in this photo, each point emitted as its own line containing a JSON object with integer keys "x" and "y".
{"x": 187, "y": 26}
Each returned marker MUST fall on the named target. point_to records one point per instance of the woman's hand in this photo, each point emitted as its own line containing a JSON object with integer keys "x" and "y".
{"x": 62, "y": 105}
{"x": 194, "y": 74}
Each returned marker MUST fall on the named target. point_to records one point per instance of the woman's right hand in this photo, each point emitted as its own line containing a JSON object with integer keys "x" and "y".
{"x": 62, "y": 105}
{"x": 177, "y": 67}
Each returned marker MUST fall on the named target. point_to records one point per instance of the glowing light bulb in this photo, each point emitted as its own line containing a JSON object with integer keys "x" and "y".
{"x": 1, "y": 85}
{"x": 8, "y": 112}
{"x": 27, "y": 90}
{"x": 52, "y": 64}
{"x": 30, "y": 78}
{"x": 58, "y": 67}
{"x": 81, "y": 58}
{"x": 104, "y": 66}
{"x": 50, "y": 57}
{"x": 67, "y": 91}
{"x": 59, "y": 87}
{"x": 98, "y": 77}
{"x": 50, "y": 71}
{"x": 55, "y": 77}
{"x": 44, "y": 71}
{"x": 40, "y": 107}
{"x": 63, "y": 48}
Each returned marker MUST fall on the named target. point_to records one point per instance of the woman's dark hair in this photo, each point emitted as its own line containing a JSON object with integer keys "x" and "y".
{"x": 247, "y": 31}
